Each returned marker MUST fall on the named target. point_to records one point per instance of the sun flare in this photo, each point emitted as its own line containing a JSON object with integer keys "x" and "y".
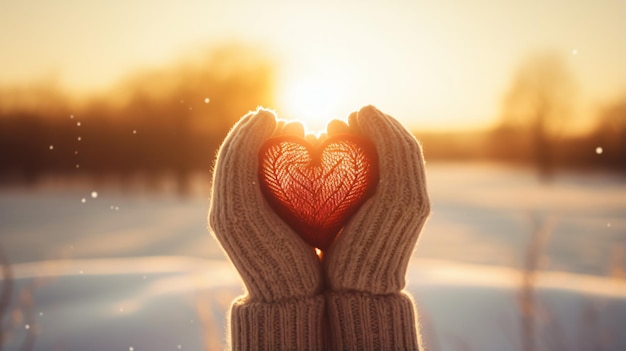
{"x": 313, "y": 100}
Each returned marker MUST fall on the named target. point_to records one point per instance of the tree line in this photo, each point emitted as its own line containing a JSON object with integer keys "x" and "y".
{"x": 158, "y": 121}
{"x": 172, "y": 120}
{"x": 534, "y": 125}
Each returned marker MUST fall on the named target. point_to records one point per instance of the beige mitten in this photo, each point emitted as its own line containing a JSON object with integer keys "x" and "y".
{"x": 284, "y": 308}
{"x": 366, "y": 265}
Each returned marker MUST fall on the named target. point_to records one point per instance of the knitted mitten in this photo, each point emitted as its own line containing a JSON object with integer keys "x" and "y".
{"x": 367, "y": 263}
{"x": 284, "y": 308}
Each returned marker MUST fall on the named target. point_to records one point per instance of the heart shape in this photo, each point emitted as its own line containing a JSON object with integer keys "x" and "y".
{"x": 316, "y": 188}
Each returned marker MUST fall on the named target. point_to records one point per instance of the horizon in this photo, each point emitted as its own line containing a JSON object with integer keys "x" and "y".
{"x": 435, "y": 67}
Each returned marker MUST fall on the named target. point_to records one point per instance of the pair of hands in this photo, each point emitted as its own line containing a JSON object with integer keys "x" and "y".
{"x": 370, "y": 255}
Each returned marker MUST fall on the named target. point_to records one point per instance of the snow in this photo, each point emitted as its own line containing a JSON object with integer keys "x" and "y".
{"x": 149, "y": 275}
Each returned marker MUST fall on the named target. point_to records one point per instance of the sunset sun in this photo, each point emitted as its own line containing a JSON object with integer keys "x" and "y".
{"x": 314, "y": 99}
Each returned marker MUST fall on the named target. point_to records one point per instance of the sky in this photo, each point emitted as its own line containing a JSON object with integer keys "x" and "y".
{"x": 431, "y": 64}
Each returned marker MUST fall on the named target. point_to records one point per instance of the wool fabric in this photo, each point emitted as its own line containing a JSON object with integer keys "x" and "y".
{"x": 351, "y": 297}
{"x": 281, "y": 272}
{"x": 366, "y": 266}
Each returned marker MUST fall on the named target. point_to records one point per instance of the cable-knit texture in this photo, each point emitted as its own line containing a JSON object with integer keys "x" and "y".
{"x": 275, "y": 264}
{"x": 363, "y": 307}
{"x": 360, "y": 321}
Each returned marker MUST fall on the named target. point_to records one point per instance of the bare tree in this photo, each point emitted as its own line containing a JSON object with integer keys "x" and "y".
{"x": 537, "y": 105}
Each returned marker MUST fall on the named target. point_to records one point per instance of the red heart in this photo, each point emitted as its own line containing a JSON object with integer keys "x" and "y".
{"x": 316, "y": 188}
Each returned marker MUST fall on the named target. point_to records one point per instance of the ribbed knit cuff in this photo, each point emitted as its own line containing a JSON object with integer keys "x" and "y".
{"x": 360, "y": 321}
{"x": 286, "y": 325}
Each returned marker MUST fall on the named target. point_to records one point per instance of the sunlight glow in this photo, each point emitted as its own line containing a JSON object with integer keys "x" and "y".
{"x": 314, "y": 99}
{"x": 428, "y": 67}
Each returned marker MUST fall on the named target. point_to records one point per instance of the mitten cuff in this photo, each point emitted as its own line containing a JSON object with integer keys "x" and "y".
{"x": 285, "y": 325}
{"x": 361, "y": 321}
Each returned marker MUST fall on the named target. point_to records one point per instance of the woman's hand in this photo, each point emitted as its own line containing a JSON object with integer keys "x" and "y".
{"x": 284, "y": 307}
{"x": 273, "y": 261}
{"x": 365, "y": 267}
{"x": 356, "y": 291}
{"x": 372, "y": 252}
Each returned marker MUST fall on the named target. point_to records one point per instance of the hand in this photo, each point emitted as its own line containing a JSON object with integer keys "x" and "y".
{"x": 364, "y": 269}
{"x": 273, "y": 261}
{"x": 372, "y": 252}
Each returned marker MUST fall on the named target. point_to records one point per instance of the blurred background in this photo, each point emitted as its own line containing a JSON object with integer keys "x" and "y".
{"x": 111, "y": 114}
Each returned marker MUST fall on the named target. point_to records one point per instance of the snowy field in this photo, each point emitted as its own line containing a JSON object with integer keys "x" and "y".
{"x": 134, "y": 270}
